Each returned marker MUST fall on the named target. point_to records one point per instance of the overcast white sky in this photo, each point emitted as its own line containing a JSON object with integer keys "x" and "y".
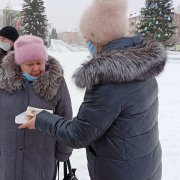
{"x": 65, "y": 14}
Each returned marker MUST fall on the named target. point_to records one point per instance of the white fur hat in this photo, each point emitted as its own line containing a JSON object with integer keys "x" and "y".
{"x": 104, "y": 21}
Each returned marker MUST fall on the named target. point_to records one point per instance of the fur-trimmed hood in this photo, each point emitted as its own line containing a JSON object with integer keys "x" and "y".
{"x": 123, "y": 65}
{"x": 2, "y": 54}
{"x": 46, "y": 86}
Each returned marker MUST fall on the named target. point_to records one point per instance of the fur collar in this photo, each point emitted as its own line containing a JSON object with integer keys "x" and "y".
{"x": 46, "y": 86}
{"x": 2, "y": 54}
{"x": 129, "y": 64}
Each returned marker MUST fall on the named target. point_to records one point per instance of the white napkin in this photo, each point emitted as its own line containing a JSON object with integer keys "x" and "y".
{"x": 22, "y": 118}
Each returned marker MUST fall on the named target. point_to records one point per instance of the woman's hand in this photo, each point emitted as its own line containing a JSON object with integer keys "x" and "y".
{"x": 30, "y": 124}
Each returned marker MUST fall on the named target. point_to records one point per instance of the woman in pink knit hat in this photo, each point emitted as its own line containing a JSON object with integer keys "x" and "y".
{"x": 29, "y": 77}
{"x": 117, "y": 122}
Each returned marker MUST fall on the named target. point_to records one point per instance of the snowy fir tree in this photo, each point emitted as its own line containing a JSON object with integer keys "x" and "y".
{"x": 157, "y": 20}
{"x": 34, "y": 20}
{"x": 54, "y": 34}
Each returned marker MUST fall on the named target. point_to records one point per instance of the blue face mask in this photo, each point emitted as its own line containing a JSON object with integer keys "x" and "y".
{"x": 92, "y": 48}
{"x": 29, "y": 77}
{"x": 4, "y": 46}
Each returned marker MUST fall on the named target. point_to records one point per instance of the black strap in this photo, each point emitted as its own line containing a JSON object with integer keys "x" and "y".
{"x": 56, "y": 171}
{"x": 67, "y": 165}
{"x": 69, "y": 173}
{"x": 65, "y": 169}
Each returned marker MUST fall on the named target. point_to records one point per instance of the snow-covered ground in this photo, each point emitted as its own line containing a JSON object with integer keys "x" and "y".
{"x": 169, "y": 117}
{"x": 173, "y": 55}
{"x": 169, "y": 113}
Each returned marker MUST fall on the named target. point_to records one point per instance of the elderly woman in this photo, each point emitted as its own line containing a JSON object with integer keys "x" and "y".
{"x": 117, "y": 122}
{"x": 29, "y": 77}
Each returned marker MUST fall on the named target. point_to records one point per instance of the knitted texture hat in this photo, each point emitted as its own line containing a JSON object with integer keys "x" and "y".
{"x": 9, "y": 32}
{"x": 29, "y": 48}
{"x": 104, "y": 21}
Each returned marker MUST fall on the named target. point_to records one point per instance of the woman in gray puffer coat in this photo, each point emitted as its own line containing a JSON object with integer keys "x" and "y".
{"x": 29, "y": 77}
{"x": 117, "y": 122}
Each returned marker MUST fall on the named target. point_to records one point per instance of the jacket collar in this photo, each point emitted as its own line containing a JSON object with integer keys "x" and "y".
{"x": 123, "y": 60}
{"x": 46, "y": 86}
{"x": 124, "y": 42}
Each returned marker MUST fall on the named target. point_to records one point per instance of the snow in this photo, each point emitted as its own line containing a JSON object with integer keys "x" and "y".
{"x": 169, "y": 87}
{"x": 61, "y": 46}
{"x": 58, "y": 46}
{"x": 173, "y": 55}
{"x": 169, "y": 114}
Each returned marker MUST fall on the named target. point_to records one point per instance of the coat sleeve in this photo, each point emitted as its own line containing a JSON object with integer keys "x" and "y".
{"x": 64, "y": 109}
{"x": 101, "y": 106}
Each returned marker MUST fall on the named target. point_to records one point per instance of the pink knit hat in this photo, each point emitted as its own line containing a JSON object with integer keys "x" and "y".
{"x": 28, "y": 48}
{"x": 104, "y": 21}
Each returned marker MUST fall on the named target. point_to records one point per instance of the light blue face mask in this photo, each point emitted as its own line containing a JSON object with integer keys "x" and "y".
{"x": 4, "y": 46}
{"x": 29, "y": 77}
{"x": 92, "y": 48}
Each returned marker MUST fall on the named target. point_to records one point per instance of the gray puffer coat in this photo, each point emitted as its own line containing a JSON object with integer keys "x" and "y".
{"x": 30, "y": 154}
{"x": 118, "y": 119}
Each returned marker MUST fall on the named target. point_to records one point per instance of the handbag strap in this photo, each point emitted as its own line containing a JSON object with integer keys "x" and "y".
{"x": 56, "y": 171}
{"x": 67, "y": 166}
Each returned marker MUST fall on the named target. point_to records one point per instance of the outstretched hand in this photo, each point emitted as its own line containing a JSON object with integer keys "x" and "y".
{"x": 30, "y": 124}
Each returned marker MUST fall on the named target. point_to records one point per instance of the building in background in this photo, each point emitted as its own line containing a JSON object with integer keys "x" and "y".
{"x": 10, "y": 17}
{"x": 72, "y": 37}
{"x": 133, "y": 20}
{"x": 177, "y": 19}
{"x": 1, "y": 18}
